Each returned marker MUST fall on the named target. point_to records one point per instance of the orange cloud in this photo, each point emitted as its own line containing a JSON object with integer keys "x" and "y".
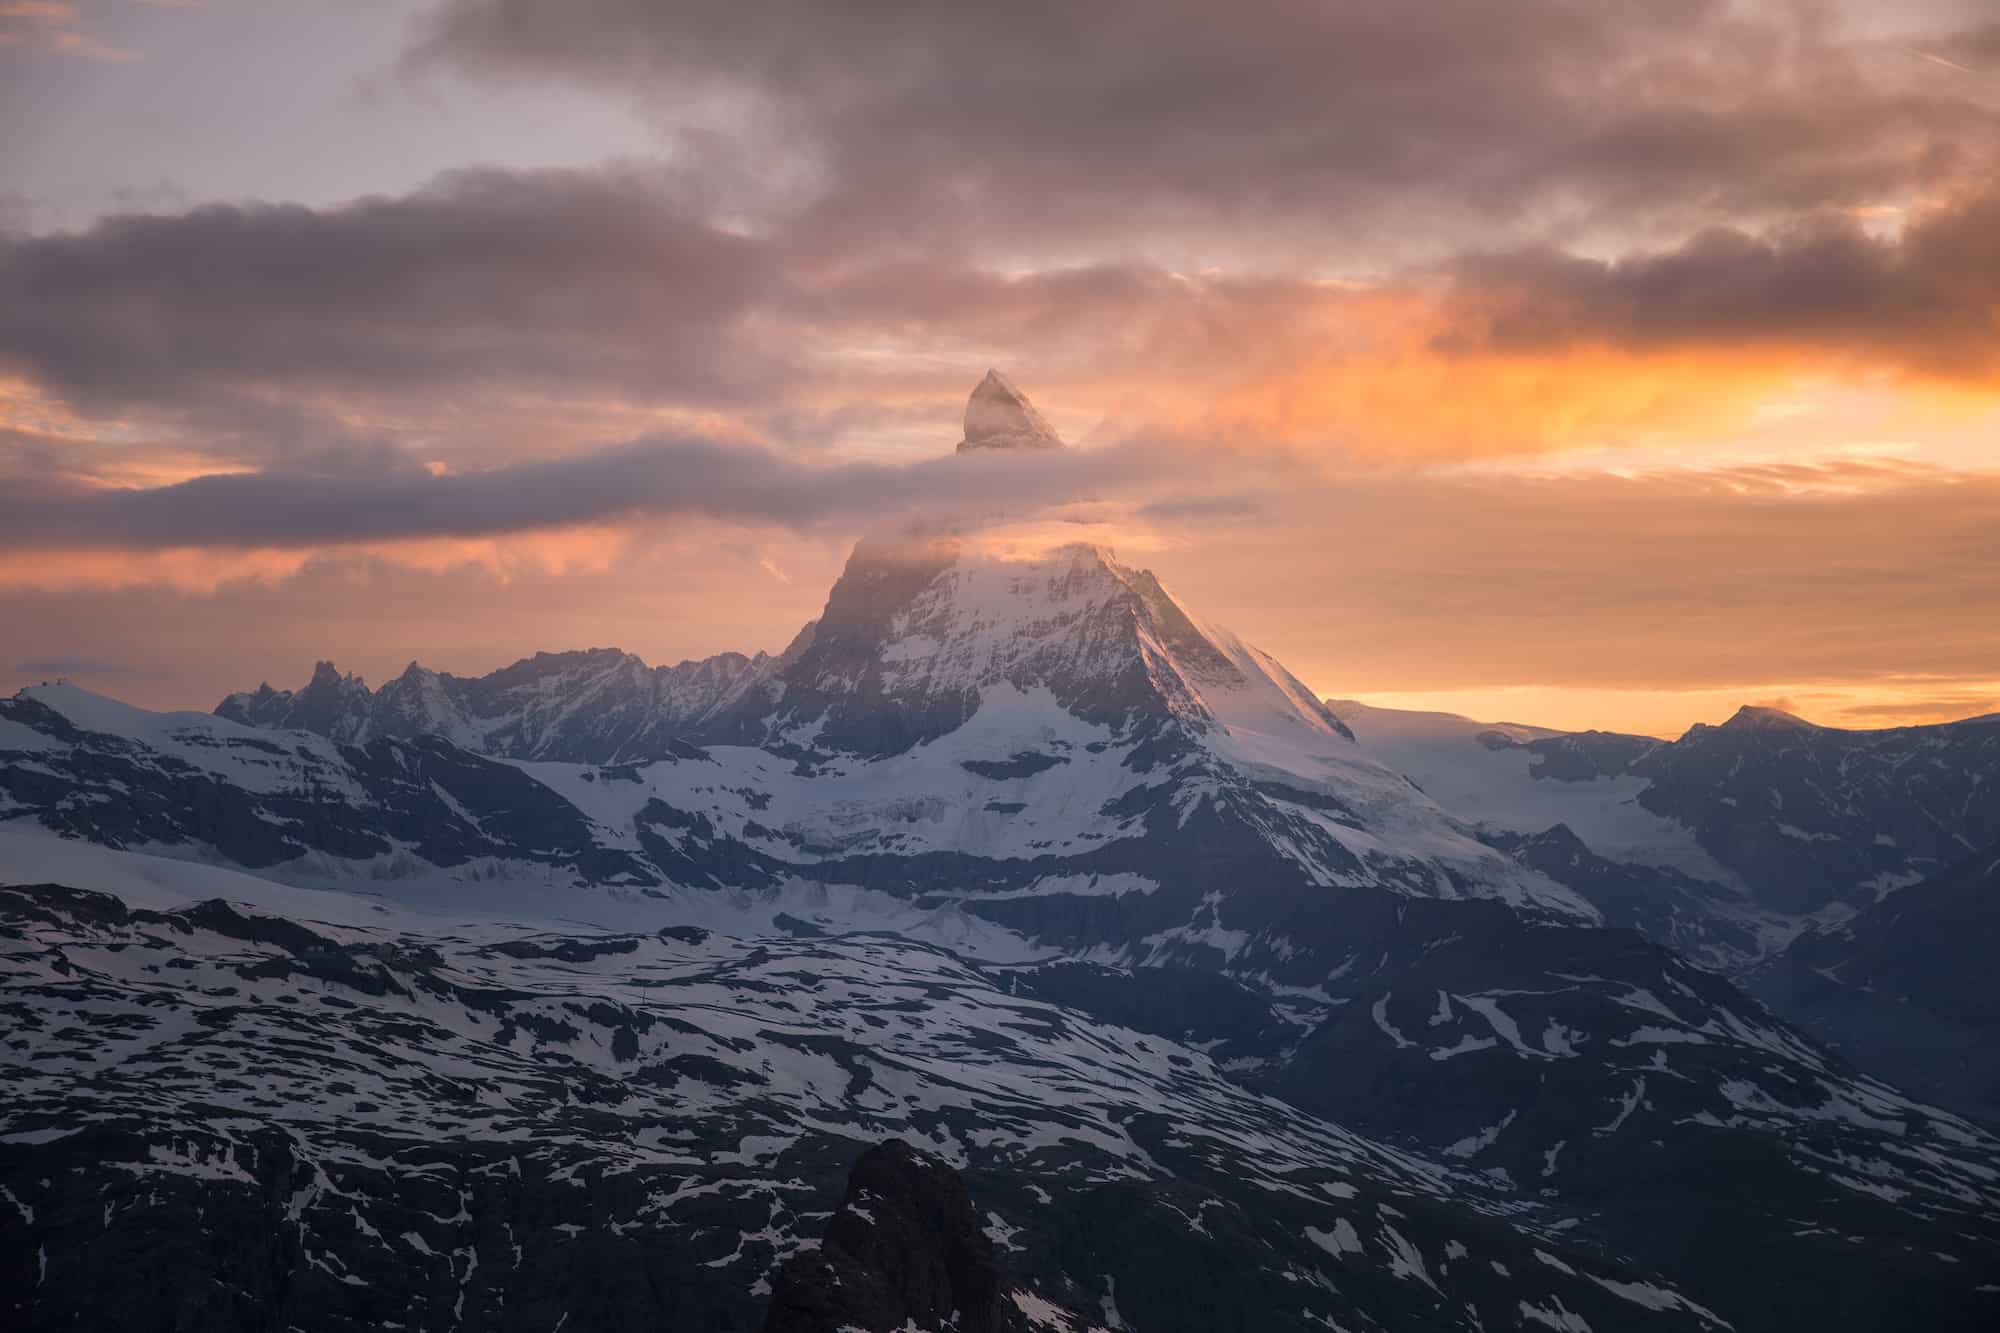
{"x": 205, "y": 571}
{"x": 49, "y": 27}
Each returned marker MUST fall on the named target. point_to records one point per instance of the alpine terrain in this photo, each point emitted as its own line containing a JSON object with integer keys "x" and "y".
{"x": 1015, "y": 949}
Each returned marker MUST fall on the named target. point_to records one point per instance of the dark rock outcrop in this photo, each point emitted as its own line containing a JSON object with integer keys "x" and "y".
{"x": 905, "y": 1250}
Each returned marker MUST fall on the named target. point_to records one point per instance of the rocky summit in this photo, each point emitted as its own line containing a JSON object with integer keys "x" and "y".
{"x": 999, "y": 416}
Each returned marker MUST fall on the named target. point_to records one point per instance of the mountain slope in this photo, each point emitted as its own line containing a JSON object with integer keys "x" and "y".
{"x": 489, "y": 1125}
{"x": 1663, "y": 1111}
{"x": 85, "y": 766}
{"x": 1908, "y": 986}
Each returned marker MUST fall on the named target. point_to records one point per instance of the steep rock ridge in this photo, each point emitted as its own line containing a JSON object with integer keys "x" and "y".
{"x": 334, "y": 704}
{"x": 999, "y": 416}
{"x": 244, "y": 1119}
{"x": 601, "y": 704}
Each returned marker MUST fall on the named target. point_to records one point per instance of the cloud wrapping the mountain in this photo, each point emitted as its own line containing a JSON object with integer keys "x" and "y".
{"x": 381, "y": 496}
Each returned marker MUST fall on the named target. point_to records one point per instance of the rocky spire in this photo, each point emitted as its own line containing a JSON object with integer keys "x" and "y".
{"x": 999, "y": 416}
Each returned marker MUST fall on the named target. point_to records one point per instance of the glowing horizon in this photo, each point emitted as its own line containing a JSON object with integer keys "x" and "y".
{"x": 1568, "y": 367}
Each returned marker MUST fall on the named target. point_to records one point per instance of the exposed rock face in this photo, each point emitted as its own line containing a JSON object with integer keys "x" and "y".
{"x": 999, "y": 416}
{"x": 904, "y": 1251}
{"x": 916, "y": 631}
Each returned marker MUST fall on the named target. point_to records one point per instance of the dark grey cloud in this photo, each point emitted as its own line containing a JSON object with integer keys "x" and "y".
{"x": 528, "y": 278}
{"x": 380, "y": 495}
{"x": 867, "y": 203}
{"x": 243, "y": 331}
{"x": 1271, "y": 123}
{"x": 1925, "y": 298}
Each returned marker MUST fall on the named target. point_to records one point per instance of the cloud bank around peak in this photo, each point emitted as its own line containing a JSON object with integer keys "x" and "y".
{"x": 384, "y": 497}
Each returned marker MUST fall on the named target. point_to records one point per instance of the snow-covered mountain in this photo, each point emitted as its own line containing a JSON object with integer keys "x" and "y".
{"x": 1049, "y": 743}
{"x": 1238, "y": 1014}
{"x": 376, "y": 1116}
{"x": 1726, "y": 842}
{"x": 599, "y": 704}
{"x": 365, "y": 1111}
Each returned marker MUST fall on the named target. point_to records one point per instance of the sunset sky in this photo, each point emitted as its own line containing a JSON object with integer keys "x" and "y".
{"x": 1581, "y": 362}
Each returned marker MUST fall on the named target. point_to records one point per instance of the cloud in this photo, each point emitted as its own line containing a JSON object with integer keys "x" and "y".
{"x": 856, "y": 212}
{"x": 510, "y": 315}
{"x": 381, "y": 495}
{"x": 53, "y": 28}
{"x": 1844, "y": 584}
{"x": 1270, "y": 127}
{"x": 1919, "y": 707}
{"x": 549, "y": 278}
{"x": 1840, "y": 570}
{"x": 1924, "y": 299}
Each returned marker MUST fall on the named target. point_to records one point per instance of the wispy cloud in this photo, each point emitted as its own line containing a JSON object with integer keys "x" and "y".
{"x": 1936, "y": 59}
{"x": 382, "y": 496}
{"x": 53, "y": 28}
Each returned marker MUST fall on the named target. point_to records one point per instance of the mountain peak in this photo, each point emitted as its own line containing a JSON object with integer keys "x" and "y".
{"x": 999, "y": 416}
{"x": 1757, "y": 717}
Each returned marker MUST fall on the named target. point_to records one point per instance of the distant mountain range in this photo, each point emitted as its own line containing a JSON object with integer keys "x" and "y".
{"x": 599, "y": 706}
{"x": 1845, "y": 876}
{"x": 1801, "y": 818}
{"x": 1239, "y": 1009}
